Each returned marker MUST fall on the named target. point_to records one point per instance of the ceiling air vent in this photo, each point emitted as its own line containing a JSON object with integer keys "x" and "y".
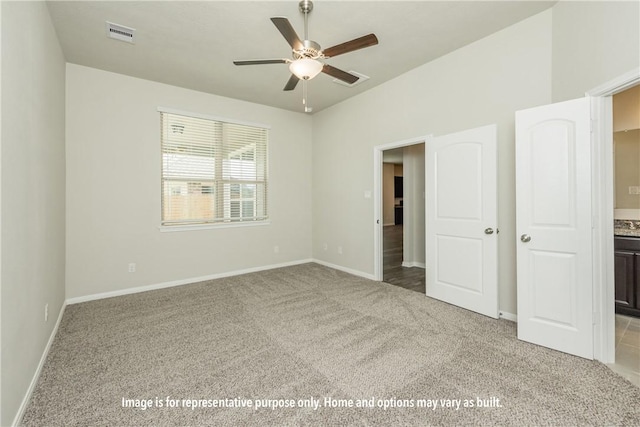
{"x": 120, "y": 32}
{"x": 361, "y": 79}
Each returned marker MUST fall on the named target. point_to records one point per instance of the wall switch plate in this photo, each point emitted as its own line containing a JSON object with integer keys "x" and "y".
{"x": 276, "y": 249}
{"x": 340, "y": 250}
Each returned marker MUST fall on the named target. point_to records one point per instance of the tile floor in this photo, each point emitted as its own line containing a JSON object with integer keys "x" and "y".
{"x": 412, "y": 278}
{"x": 627, "y": 348}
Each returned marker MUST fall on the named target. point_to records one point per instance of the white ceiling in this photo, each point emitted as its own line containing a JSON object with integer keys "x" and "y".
{"x": 193, "y": 44}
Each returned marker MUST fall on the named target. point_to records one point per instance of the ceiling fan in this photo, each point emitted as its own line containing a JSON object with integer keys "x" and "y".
{"x": 307, "y": 54}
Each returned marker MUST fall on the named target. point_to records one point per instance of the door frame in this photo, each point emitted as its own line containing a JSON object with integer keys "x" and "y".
{"x": 602, "y": 211}
{"x": 377, "y": 198}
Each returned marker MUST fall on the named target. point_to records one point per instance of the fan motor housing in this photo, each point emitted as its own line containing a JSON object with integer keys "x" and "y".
{"x": 310, "y": 49}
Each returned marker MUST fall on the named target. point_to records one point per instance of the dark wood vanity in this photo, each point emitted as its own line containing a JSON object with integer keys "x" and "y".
{"x": 627, "y": 274}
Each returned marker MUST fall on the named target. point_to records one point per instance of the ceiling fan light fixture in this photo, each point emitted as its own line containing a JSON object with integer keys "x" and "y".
{"x": 305, "y": 68}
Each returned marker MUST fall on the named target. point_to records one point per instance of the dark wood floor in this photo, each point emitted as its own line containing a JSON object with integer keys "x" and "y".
{"x": 412, "y": 278}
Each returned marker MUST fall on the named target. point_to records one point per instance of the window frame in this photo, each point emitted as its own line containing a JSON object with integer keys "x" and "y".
{"x": 212, "y": 225}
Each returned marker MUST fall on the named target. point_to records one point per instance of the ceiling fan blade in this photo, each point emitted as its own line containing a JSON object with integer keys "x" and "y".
{"x": 350, "y": 46}
{"x": 261, "y": 61}
{"x": 291, "y": 84}
{"x": 284, "y": 26}
{"x": 339, "y": 74}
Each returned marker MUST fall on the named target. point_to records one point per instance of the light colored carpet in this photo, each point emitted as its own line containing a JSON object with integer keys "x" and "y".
{"x": 310, "y": 331}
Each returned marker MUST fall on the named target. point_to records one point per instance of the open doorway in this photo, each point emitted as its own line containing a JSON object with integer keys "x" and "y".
{"x": 449, "y": 215}
{"x": 626, "y": 191}
{"x": 603, "y": 211}
{"x": 403, "y": 213}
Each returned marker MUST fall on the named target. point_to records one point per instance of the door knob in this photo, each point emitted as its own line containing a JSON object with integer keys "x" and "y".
{"x": 525, "y": 238}
{"x": 488, "y": 230}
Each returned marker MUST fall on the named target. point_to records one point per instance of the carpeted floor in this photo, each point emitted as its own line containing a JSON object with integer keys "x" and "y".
{"x": 307, "y": 332}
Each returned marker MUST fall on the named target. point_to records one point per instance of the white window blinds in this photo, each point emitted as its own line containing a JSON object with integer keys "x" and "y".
{"x": 212, "y": 171}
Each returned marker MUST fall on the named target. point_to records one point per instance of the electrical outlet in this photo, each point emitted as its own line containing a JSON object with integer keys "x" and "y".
{"x": 325, "y": 246}
{"x": 634, "y": 190}
{"x": 276, "y": 249}
{"x": 340, "y": 250}
{"x": 46, "y": 312}
{"x": 132, "y": 267}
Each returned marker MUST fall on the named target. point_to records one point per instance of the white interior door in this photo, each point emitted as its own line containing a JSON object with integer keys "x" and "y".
{"x": 553, "y": 198}
{"x": 462, "y": 247}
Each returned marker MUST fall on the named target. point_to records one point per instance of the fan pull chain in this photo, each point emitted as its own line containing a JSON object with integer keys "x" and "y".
{"x": 307, "y": 109}
{"x": 304, "y": 92}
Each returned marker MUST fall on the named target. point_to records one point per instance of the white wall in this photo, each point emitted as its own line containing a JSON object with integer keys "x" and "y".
{"x": 482, "y": 83}
{"x": 113, "y": 188}
{"x": 33, "y": 194}
{"x": 593, "y": 42}
{"x": 626, "y": 110}
{"x": 413, "y": 254}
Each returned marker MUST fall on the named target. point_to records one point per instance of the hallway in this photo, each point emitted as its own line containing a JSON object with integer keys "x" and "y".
{"x": 412, "y": 278}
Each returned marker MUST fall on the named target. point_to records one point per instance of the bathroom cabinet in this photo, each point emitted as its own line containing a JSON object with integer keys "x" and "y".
{"x": 627, "y": 275}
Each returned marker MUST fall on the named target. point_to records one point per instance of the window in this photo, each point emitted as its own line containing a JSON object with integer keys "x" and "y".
{"x": 212, "y": 171}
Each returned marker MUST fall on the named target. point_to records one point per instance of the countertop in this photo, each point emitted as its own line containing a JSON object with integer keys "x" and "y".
{"x": 626, "y": 228}
{"x": 625, "y": 232}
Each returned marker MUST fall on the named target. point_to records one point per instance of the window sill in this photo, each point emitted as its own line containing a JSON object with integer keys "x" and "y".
{"x": 195, "y": 227}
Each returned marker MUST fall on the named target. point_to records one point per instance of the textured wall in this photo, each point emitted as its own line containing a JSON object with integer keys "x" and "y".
{"x": 113, "y": 187}
{"x": 593, "y": 42}
{"x": 33, "y": 193}
{"x": 480, "y": 84}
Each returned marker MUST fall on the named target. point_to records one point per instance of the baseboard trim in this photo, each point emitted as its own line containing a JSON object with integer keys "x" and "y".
{"x": 345, "y": 269}
{"x": 414, "y": 264}
{"x": 36, "y": 376}
{"x": 508, "y": 316}
{"x": 138, "y": 289}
